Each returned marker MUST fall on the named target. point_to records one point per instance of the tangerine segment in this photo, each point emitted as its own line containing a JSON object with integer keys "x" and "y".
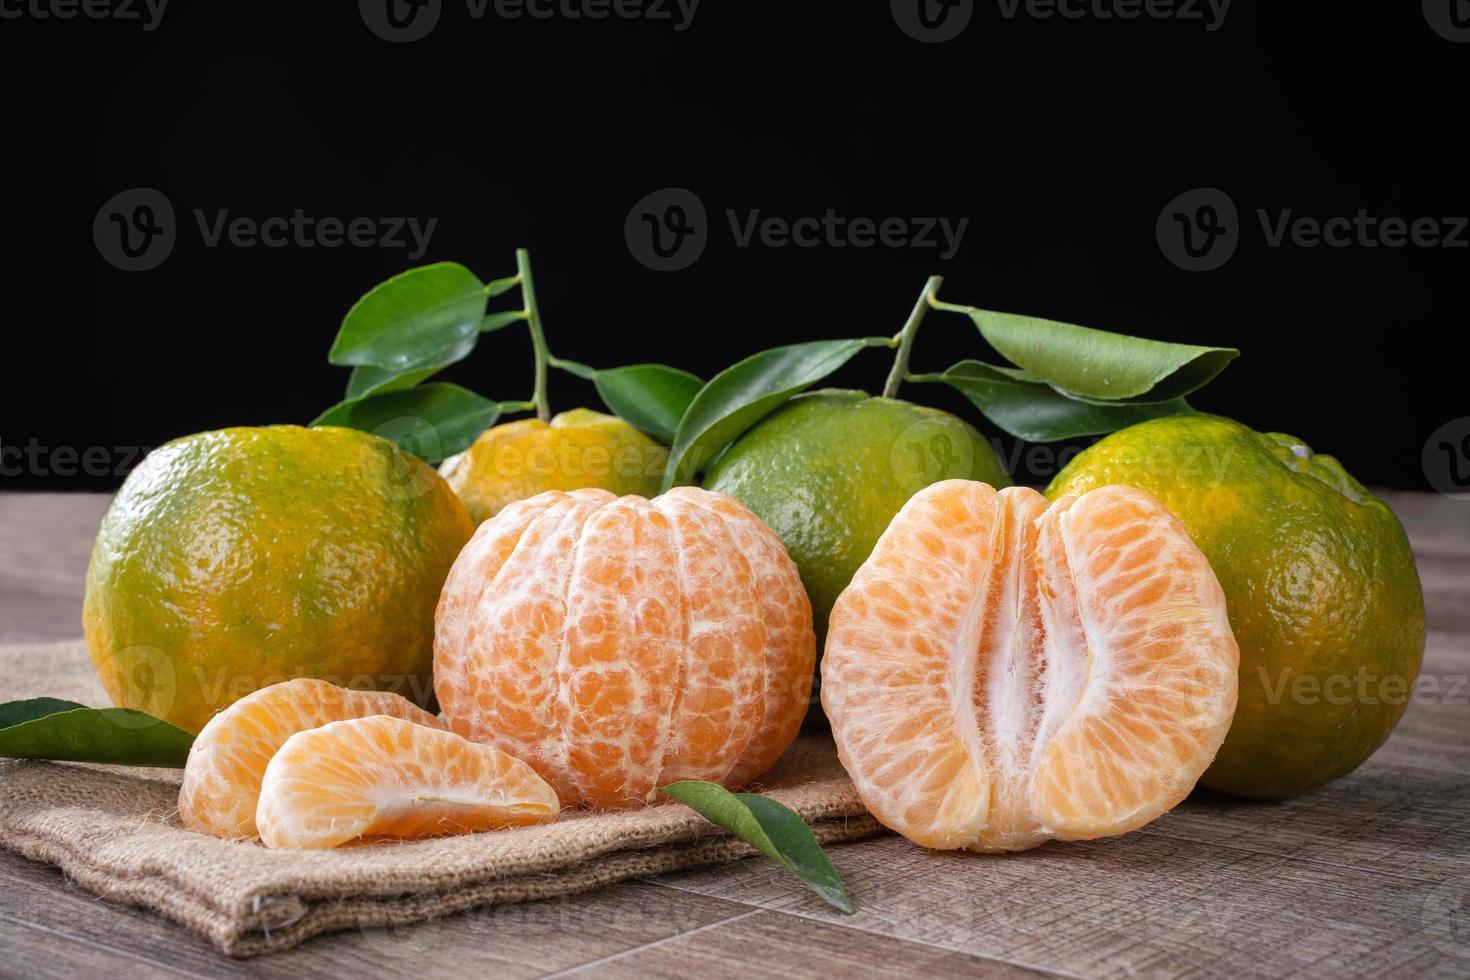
{"x": 786, "y": 621}
{"x": 615, "y": 644}
{"x": 228, "y": 760}
{"x": 385, "y": 777}
{"x": 1001, "y": 672}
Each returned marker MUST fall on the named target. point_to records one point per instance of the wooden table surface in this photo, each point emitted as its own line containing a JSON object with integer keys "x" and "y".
{"x": 1367, "y": 877}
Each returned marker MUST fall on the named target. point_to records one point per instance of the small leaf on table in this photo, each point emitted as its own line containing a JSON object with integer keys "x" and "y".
{"x": 770, "y": 828}
{"x": 1097, "y": 364}
{"x": 412, "y": 319}
{"x": 120, "y": 736}
{"x": 1023, "y": 405}
{"x": 15, "y": 712}
{"x": 744, "y": 393}
{"x": 433, "y": 421}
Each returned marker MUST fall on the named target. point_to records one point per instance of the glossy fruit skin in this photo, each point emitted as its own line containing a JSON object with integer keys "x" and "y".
{"x": 234, "y": 559}
{"x": 617, "y": 644}
{"x": 576, "y": 449}
{"x": 1323, "y": 593}
{"x": 829, "y": 469}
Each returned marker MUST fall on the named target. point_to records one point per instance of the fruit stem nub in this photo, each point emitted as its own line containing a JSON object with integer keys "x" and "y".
{"x": 905, "y": 337}
{"x": 538, "y": 337}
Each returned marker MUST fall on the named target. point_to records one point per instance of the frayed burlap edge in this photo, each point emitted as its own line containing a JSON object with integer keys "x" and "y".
{"x": 115, "y": 832}
{"x": 279, "y": 921}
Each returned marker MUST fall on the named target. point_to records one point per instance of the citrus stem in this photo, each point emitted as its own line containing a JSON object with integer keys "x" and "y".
{"x": 538, "y": 336}
{"x": 950, "y": 307}
{"x": 906, "y": 337}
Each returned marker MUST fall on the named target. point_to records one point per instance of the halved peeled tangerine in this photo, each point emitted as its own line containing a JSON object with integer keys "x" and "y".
{"x": 1001, "y": 672}
{"x": 384, "y": 777}
{"x": 227, "y": 761}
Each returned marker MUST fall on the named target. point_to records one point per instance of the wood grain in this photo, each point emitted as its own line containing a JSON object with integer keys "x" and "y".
{"x": 1368, "y": 877}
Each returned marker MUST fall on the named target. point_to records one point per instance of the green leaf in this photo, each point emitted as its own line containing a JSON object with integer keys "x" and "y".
{"x": 119, "y": 736}
{"x": 432, "y": 421}
{"x": 15, "y": 712}
{"x": 770, "y": 828}
{"x": 1026, "y": 407}
{"x": 412, "y": 319}
{"x": 744, "y": 393}
{"x": 367, "y": 379}
{"x": 1096, "y": 364}
{"x": 651, "y": 397}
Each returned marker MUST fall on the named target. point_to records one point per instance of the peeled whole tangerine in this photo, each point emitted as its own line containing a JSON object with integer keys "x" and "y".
{"x": 616, "y": 644}
{"x": 1001, "y": 672}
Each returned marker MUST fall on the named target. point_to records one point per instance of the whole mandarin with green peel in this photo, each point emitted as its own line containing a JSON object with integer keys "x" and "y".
{"x": 235, "y": 559}
{"x": 828, "y": 470}
{"x": 576, "y": 450}
{"x": 1321, "y": 585}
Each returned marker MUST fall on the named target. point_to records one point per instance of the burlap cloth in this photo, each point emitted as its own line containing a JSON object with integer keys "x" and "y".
{"x": 115, "y": 831}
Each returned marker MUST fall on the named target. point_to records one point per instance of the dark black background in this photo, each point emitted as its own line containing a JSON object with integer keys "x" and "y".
{"x": 1061, "y": 140}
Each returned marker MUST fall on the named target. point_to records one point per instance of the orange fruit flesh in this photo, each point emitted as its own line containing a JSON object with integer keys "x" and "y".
{"x": 228, "y": 760}
{"x": 1001, "y": 672}
{"x": 385, "y": 777}
{"x": 617, "y": 643}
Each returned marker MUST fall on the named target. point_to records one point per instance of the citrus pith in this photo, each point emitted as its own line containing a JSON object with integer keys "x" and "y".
{"x": 373, "y": 777}
{"x": 227, "y": 761}
{"x": 1001, "y": 672}
{"x": 618, "y": 643}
